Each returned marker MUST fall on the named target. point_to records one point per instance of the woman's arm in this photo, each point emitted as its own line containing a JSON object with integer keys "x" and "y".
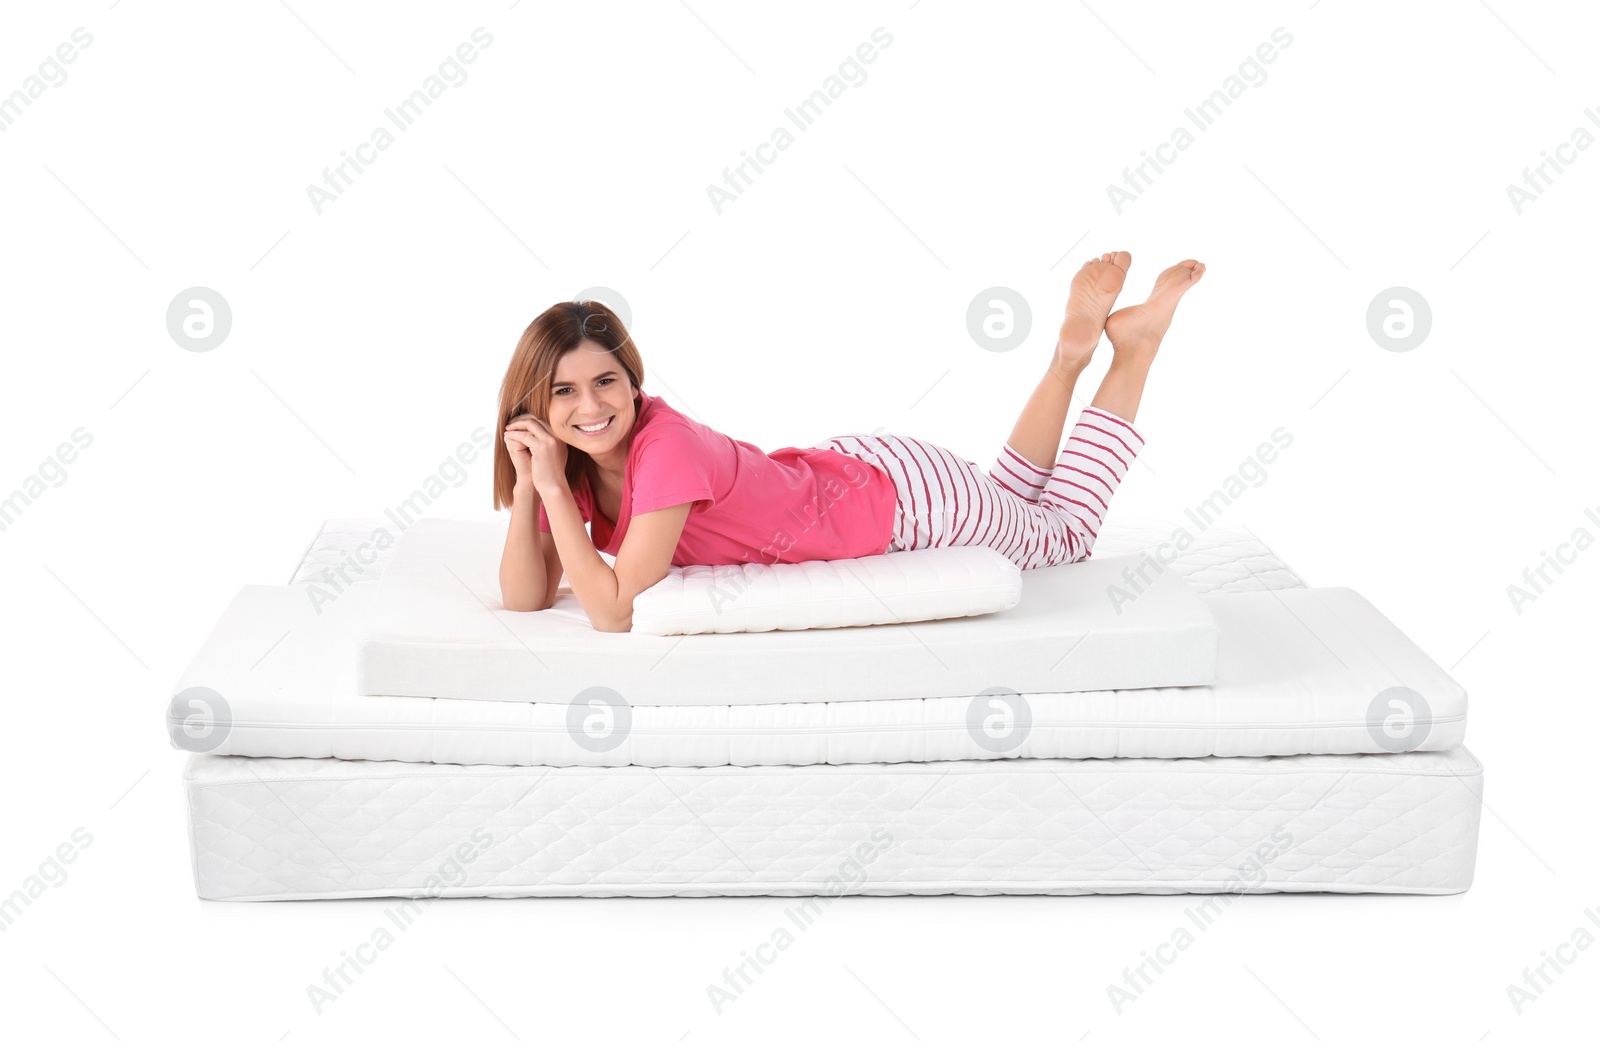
{"x": 524, "y": 585}
{"x": 531, "y": 566}
{"x": 606, "y": 594}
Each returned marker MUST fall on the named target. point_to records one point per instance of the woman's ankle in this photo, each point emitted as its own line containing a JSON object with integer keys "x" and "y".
{"x": 1068, "y": 369}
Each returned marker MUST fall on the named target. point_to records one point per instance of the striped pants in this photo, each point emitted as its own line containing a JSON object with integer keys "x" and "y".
{"x": 1036, "y": 517}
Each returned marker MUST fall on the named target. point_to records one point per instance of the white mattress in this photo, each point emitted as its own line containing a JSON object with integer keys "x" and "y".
{"x": 267, "y": 829}
{"x": 1301, "y": 672}
{"x": 438, "y": 630}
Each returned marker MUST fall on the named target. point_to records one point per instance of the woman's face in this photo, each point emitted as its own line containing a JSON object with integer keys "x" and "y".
{"x": 591, "y": 389}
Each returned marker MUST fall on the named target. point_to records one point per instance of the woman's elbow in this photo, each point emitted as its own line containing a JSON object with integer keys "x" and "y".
{"x": 620, "y": 621}
{"x": 522, "y": 602}
{"x": 615, "y": 625}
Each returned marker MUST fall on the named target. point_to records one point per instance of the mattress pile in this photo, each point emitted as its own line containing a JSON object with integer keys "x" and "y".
{"x": 335, "y": 753}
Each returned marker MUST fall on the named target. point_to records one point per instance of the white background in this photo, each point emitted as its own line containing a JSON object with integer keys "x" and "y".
{"x": 368, "y": 341}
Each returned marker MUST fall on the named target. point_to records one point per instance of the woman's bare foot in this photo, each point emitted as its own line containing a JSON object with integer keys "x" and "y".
{"x": 1136, "y": 331}
{"x": 1094, "y": 290}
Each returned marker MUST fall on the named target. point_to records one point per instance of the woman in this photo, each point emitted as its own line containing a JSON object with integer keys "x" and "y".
{"x": 583, "y": 443}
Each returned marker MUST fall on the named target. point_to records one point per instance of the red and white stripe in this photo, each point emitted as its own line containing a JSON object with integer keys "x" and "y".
{"x": 1036, "y": 517}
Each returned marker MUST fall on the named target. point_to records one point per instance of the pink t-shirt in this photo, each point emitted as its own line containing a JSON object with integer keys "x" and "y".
{"x": 785, "y": 506}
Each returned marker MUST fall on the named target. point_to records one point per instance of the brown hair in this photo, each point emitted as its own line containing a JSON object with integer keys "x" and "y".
{"x": 526, "y": 387}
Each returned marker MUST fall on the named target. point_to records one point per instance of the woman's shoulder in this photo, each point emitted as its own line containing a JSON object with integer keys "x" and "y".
{"x": 660, "y": 422}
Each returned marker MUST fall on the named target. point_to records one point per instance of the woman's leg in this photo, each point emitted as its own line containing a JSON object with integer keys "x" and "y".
{"x": 1037, "y": 434}
{"x": 1024, "y": 464}
{"x": 1135, "y": 333}
{"x": 944, "y": 500}
{"x": 1064, "y": 517}
{"x": 1018, "y": 475}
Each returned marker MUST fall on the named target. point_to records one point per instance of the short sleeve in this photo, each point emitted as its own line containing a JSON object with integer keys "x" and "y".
{"x": 579, "y": 496}
{"x": 674, "y": 466}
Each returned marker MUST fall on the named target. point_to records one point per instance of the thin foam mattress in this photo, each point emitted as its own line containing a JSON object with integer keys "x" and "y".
{"x": 439, "y": 629}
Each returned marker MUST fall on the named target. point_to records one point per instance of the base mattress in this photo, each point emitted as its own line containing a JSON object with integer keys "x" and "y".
{"x": 289, "y": 829}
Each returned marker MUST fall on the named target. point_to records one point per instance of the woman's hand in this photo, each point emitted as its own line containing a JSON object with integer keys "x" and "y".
{"x": 538, "y": 456}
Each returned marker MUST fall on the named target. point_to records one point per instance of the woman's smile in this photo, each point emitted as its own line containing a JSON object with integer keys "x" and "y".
{"x": 595, "y": 430}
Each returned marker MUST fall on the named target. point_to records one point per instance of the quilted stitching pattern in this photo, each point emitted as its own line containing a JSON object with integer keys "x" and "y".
{"x": 1219, "y": 560}
{"x": 296, "y": 828}
{"x": 349, "y": 548}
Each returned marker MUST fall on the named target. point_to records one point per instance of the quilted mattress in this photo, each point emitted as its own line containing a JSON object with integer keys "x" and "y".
{"x": 271, "y": 829}
{"x": 1301, "y": 671}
